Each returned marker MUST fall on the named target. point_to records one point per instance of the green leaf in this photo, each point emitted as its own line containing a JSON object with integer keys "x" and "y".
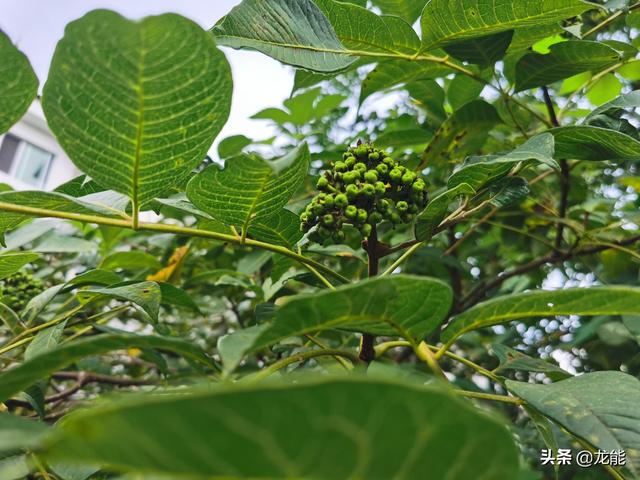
{"x": 232, "y": 146}
{"x": 256, "y": 431}
{"x": 300, "y": 34}
{"x": 249, "y": 189}
{"x": 26, "y": 374}
{"x": 92, "y": 277}
{"x": 462, "y": 90}
{"x": 604, "y": 90}
{"x": 437, "y": 210}
{"x": 11, "y": 263}
{"x": 508, "y": 190}
{"x": 404, "y": 305}
{"x": 600, "y": 408}
{"x": 18, "y": 83}
{"x": 392, "y": 73}
{"x": 232, "y": 347}
{"x": 409, "y": 10}
{"x": 463, "y": 132}
{"x": 15, "y": 467}
{"x": 146, "y": 295}
{"x": 149, "y": 117}
{"x": 445, "y": 22}
{"x": 276, "y": 114}
{"x": 43, "y": 200}
{"x": 542, "y": 303}
{"x": 482, "y": 51}
{"x": 583, "y": 142}
{"x": 564, "y": 60}
{"x": 172, "y": 295}
{"x": 511, "y": 359}
{"x": 482, "y": 171}
{"x": 17, "y": 433}
{"x": 627, "y": 101}
{"x": 361, "y": 30}
{"x": 131, "y": 261}
{"x": 45, "y": 341}
{"x": 283, "y": 228}
{"x": 10, "y": 319}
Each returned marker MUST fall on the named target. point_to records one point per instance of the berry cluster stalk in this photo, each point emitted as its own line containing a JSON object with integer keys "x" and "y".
{"x": 367, "y": 352}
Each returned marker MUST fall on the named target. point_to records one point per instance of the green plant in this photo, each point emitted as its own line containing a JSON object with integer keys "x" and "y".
{"x": 380, "y": 312}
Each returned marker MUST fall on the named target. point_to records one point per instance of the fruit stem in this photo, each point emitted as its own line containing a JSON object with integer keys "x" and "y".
{"x": 367, "y": 352}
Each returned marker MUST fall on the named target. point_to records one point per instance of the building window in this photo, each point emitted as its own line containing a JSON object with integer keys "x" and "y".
{"x": 24, "y": 161}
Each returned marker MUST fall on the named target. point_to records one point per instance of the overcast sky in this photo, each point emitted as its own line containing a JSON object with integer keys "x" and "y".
{"x": 259, "y": 82}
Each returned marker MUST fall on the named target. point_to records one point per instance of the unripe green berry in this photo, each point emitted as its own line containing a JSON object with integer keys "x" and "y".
{"x": 368, "y": 191}
{"x": 338, "y": 236}
{"x": 407, "y": 217}
{"x": 362, "y": 151}
{"x": 350, "y": 161}
{"x": 304, "y": 217}
{"x": 341, "y": 200}
{"x": 371, "y": 176}
{"x": 329, "y": 201}
{"x": 383, "y": 205}
{"x": 349, "y": 177}
{"x": 340, "y": 167}
{"x": 322, "y": 183}
{"x": 351, "y": 212}
{"x": 395, "y": 175}
{"x": 390, "y": 162}
{"x": 360, "y": 167}
{"x": 395, "y": 218}
{"x": 382, "y": 169}
{"x": 408, "y": 178}
{"x": 402, "y": 206}
{"x": 328, "y": 219}
{"x": 365, "y": 230}
{"x": 381, "y": 188}
{"x": 324, "y": 232}
{"x": 318, "y": 209}
{"x": 374, "y": 218}
{"x": 362, "y": 215}
{"x": 352, "y": 192}
{"x": 374, "y": 156}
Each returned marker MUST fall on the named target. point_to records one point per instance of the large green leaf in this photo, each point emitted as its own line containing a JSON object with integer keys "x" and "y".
{"x": 367, "y": 429}
{"x": 482, "y": 51}
{"x": 249, "y": 189}
{"x": 437, "y": 210}
{"x": 479, "y": 171}
{"x": 282, "y": 228}
{"x": 511, "y": 359}
{"x": 409, "y": 10}
{"x": 617, "y": 300}
{"x": 404, "y": 305}
{"x": 295, "y": 32}
{"x": 586, "y": 142}
{"x": 601, "y": 408}
{"x": 629, "y": 100}
{"x": 18, "y": 432}
{"x": 146, "y": 295}
{"x": 26, "y": 374}
{"x": 18, "y": 83}
{"x": 10, "y": 263}
{"x": 445, "y": 22}
{"x": 361, "y": 30}
{"x": 564, "y": 60}
{"x": 44, "y": 200}
{"x": 137, "y": 105}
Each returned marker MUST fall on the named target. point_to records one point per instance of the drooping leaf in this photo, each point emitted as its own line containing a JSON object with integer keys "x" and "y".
{"x": 462, "y": 90}
{"x": 131, "y": 261}
{"x": 172, "y": 295}
{"x": 146, "y": 295}
{"x": 10, "y": 319}
{"x": 148, "y": 118}
{"x": 482, "y": 51}
{"x": 17, "y": 433}
{"x": 627, "y": 101}
{"x": 508, "y": 190}
{"x": 16, "y": 379}
{"x": 618, "y": 300}
{"x": 404, "y": 305}
{"x": 445, "y": 22}
{"x": 604, "y": 90}
{"x": 249, "y": 189}
{"x": 463, "y": 132}
{"x": 362, "y": 30}
{"x": 409, "y": 10}
{"x": 295, "y": 32}
{"x": 11, "y": 263}
{"x": 352, "y": 421}
{"x": 233, "y": 346}
{"x": 480, "y": 171}
{"x": 437, "y": 209}
{"x": 18, "y": 83}
{"x": 44, "y": 341}
{"x": 586, "y": 142}
{"x": 511, "y": 359}
{"x": 38, "y": 303}
{"x": 564, "y": 60}
{"x": 283, "y": 228}
{"x": 600, "y": 408}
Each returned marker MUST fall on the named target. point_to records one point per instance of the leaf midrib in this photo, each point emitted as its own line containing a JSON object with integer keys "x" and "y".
{"x": 139, "y": 127}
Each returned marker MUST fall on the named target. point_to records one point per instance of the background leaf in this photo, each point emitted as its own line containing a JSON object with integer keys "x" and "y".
{"x": 409, "y": 10}
{"x": 615, "y": 300}
{"x": 11, "y": 263}
{"x": 437, "y": 210}
{"x": 364, "y": 436}
{"x": 139, "y": 127}
{"x": 585, "y": 142}
{"x": 146, "y": 295}
{"x": 18, "y": 83}
{"x": 304, "y": 37}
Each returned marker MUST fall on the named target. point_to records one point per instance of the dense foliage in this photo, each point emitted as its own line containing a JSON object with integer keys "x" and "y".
{"x": 436, "y": 278}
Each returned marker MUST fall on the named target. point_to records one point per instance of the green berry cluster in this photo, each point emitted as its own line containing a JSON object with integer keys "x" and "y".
{"x": 364, "y": 189}
{"x": 18, "y": 289}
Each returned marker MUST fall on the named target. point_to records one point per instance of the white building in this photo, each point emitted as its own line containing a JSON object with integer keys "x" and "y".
{"x": 30, "y": 156}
